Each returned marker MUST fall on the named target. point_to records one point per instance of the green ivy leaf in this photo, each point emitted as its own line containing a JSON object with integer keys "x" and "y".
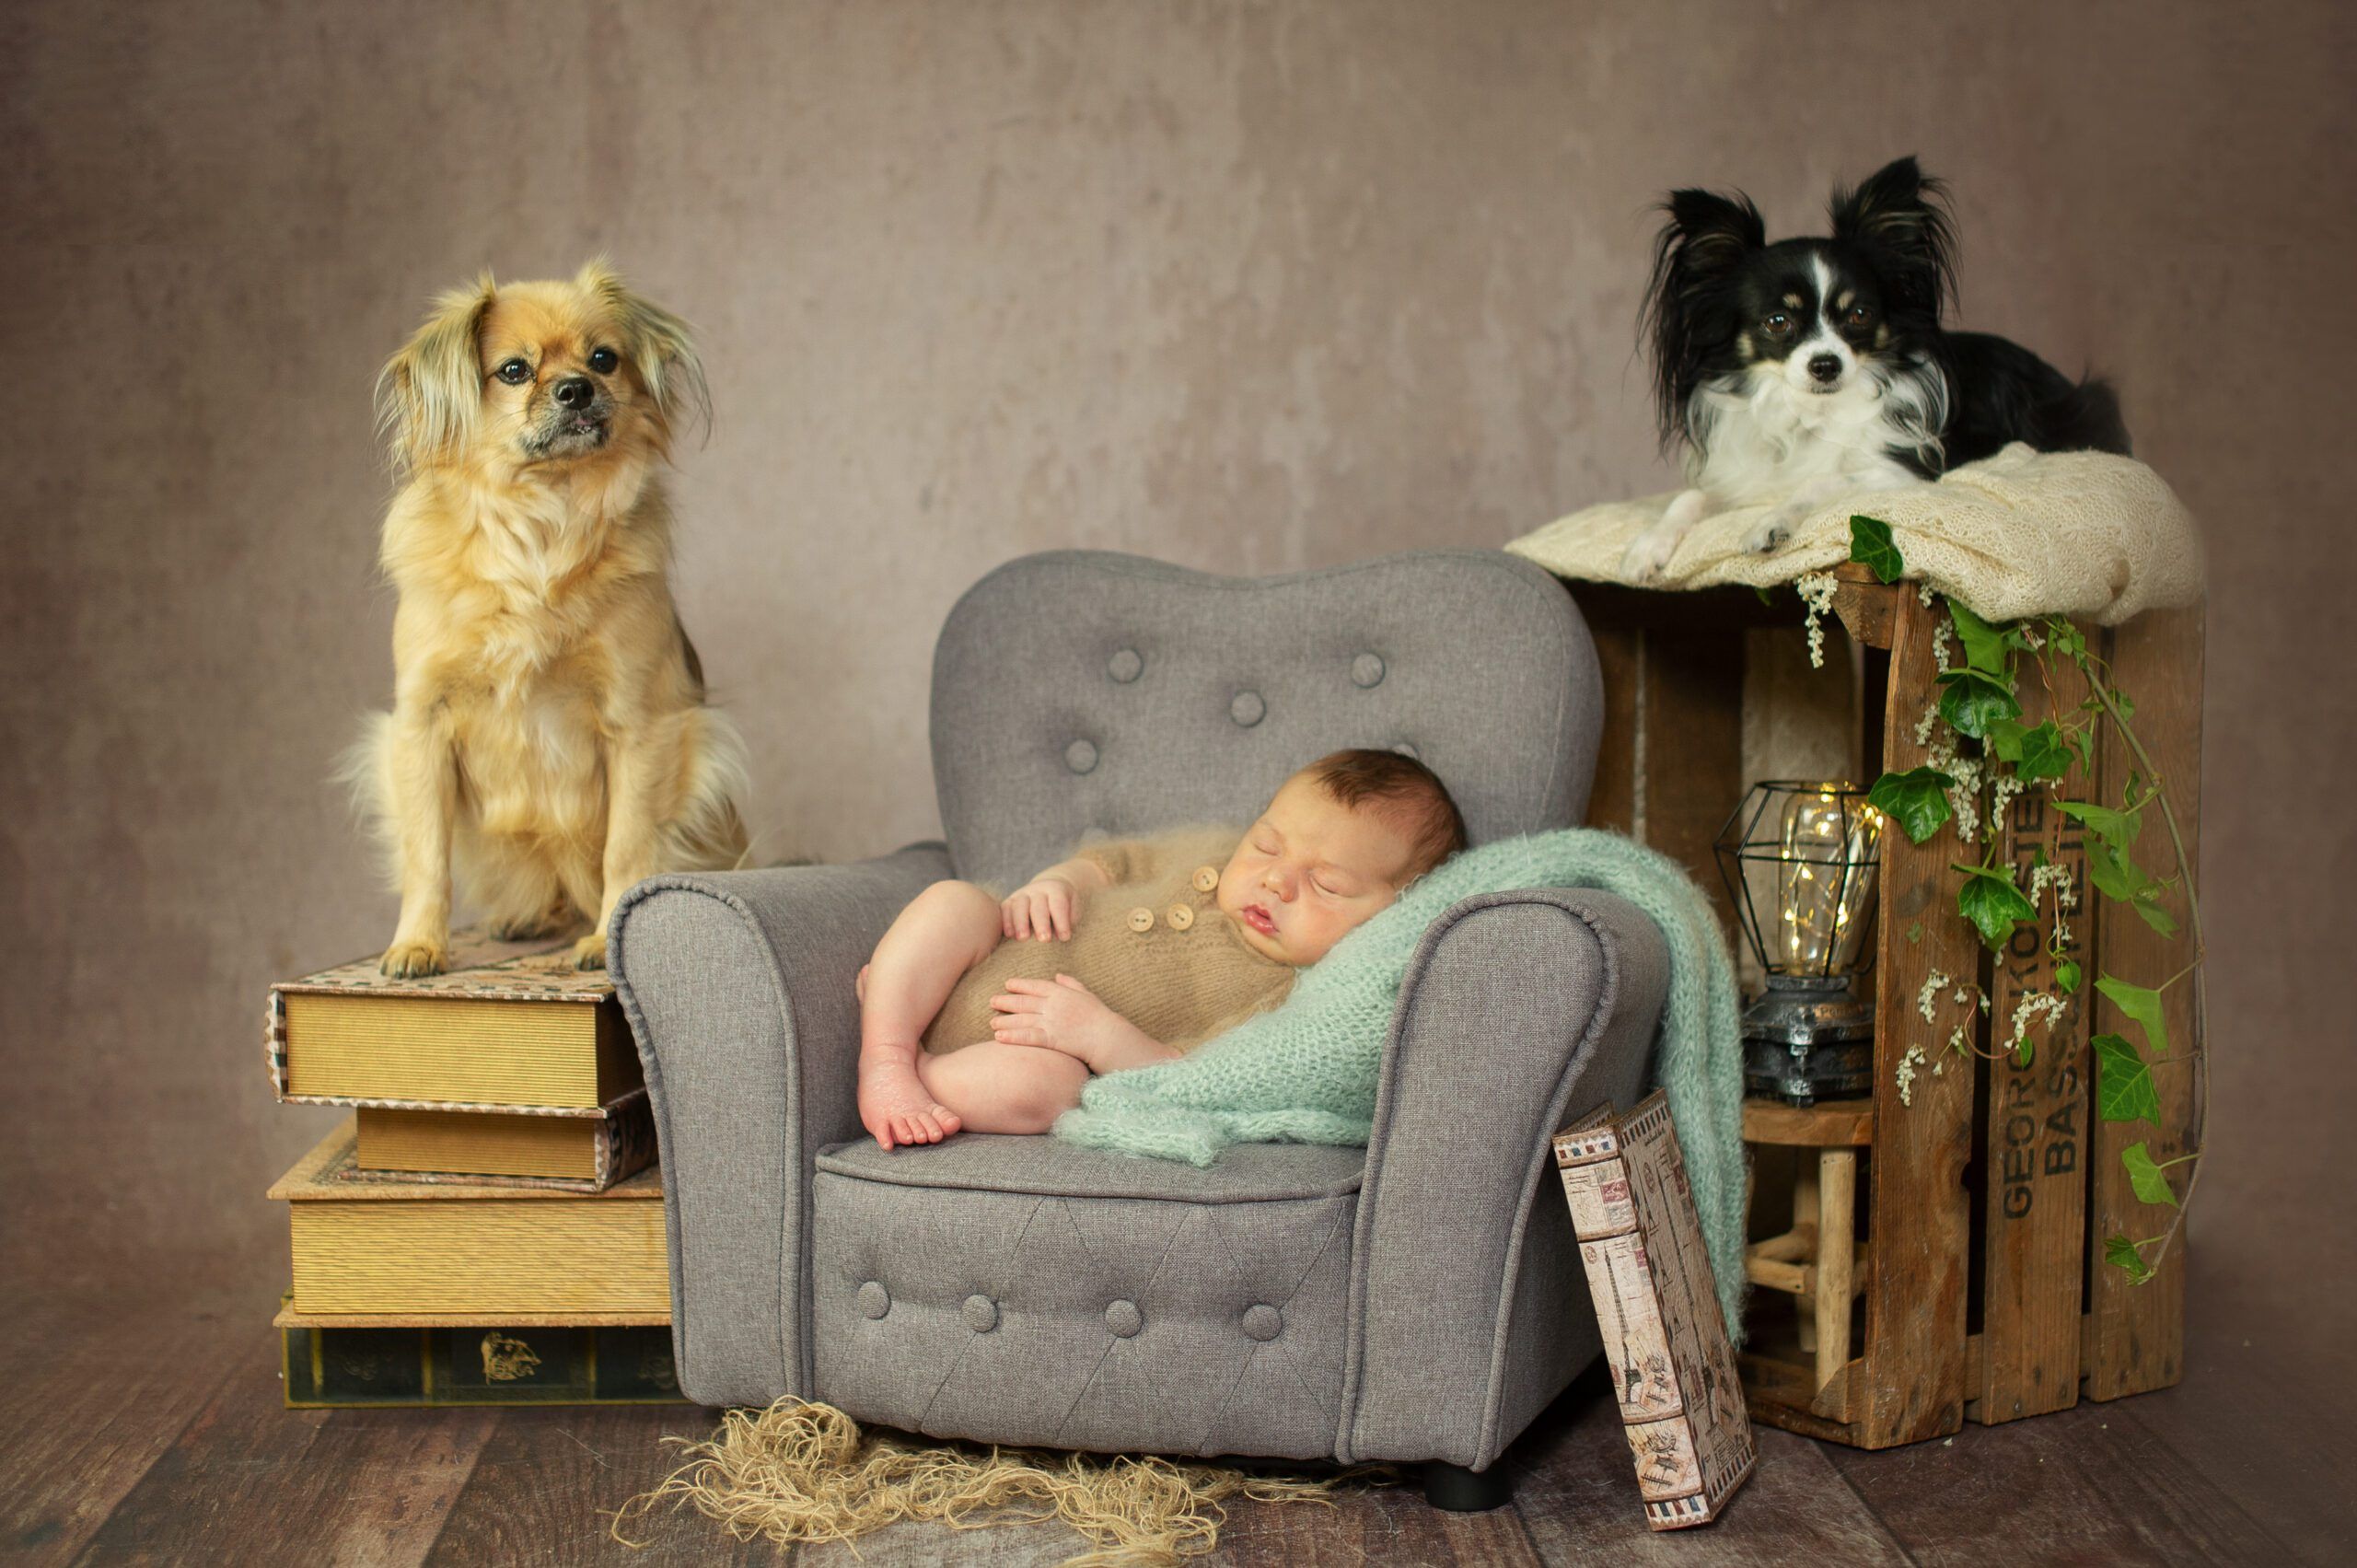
{"x": 2123, "y": 1083}
{"x": 2144, "y": 1004}
{"x": 1973, "y": 702}
{"x": 1765, "y": 596}
{"x": 2121, "y": 1253}
{"x": 2004, "y": 740}
{"x": 1984, "y": 645}
{"x": 2127, "y": 705}
{"x": 2116, "y": 828}
{"x": 2067, "y": 975}
{"x": 2151, "y": 1184}
{"x": 2044, "y": 754}
{"x": 1992, "y": 903}
{"x": 1917, "y": 800}
{"x": 1871, "y": 546}
{"x": 2147, "y": 907}
{"x": 2065, "y": 638}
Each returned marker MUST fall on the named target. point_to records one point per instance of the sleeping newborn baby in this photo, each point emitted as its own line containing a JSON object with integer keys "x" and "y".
{"x": 988, "y": 1014}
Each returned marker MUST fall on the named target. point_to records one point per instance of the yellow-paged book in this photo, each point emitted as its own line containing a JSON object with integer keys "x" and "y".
{"x": 503, "y": 1027}
{"x": 380, "y": 1248}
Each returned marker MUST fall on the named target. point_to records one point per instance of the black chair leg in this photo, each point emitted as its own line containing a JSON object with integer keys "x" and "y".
{"x": 1460, "y": 1490}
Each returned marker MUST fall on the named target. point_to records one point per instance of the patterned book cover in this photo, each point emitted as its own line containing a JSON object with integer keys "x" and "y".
{"x": 1673, "y": 1365}
{"x": 481, "y": 971}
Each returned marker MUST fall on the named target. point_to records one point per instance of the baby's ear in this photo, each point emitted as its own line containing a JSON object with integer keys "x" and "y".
{"x": 429, "y": 394}
{"x": 659, "y": 344}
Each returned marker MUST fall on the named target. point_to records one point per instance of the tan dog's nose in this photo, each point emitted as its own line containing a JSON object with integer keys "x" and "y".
{"x": 575, "y": 392}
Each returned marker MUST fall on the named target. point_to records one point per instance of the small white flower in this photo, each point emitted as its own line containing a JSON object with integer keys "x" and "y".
{"x": 1817, "y": 590}
{"x": 2027, "y": 1011}
{"x": 1924, "y": 593}
{"x": 1905, "y": 1076}
{"x": 1925, "y": 997}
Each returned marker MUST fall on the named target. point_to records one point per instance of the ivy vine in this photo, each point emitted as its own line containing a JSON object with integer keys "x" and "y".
{"x": 1982, "y": 757}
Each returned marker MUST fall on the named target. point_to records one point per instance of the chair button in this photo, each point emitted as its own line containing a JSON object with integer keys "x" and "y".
{"x": 1367, "y": 670}
{"x": 1248, "y": 709}
{"x": 1262, "y": 1322}
{"x": 1206, "y": 878}
{"x": 1081, "y": 756}
{"x": 1181, "y": 917}
{"x": 873, "y": 1300}
{"x": 1125, "y": 666}
{"x": 1141, "y": 920}
{"x": 980, "y": 1313}
{"x": 1124, "y": 1319}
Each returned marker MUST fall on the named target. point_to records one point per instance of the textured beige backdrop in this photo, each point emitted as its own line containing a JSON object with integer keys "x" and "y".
{"x": 1248, "y": 287}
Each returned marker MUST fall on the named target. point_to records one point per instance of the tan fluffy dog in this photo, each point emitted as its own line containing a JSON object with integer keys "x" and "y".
{"x": 549, "y": 738}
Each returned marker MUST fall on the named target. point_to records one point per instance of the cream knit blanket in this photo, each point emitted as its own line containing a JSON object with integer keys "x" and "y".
{"x": 2021, "y": 533}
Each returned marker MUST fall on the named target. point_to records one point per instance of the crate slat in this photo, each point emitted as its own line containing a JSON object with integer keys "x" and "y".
{"x": 2138, "y": 1330}
{"x": 2035, "y": 1213}
{"x": 1913, "y": 1386}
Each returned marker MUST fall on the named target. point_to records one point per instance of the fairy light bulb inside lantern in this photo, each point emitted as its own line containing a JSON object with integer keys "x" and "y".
{"x": 1828, "y": 858}
{"x": 1802, "y": 860}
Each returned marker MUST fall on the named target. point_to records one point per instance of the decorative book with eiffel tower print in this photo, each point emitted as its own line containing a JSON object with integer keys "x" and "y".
{"x": 1673, "y": 1366}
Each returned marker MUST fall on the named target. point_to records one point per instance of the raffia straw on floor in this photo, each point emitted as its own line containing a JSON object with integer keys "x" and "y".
{"x": 799, "y": 1471}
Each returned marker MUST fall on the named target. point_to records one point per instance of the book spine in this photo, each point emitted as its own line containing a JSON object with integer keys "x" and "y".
{"x": 1636, "y": 1340}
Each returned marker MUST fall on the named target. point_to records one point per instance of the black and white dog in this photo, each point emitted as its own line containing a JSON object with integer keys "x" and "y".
{"x": 1796, "y": 372}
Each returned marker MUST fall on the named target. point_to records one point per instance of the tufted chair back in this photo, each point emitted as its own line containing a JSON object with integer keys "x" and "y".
{"x": 1083, "y": 694}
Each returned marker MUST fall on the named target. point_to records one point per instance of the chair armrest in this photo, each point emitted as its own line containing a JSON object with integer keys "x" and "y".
{"x": 739, "y": 986}
{"x": 1519, "y": 1011}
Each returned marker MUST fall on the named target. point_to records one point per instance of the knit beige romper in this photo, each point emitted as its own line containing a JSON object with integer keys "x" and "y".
{"x": 1154, "y": 947}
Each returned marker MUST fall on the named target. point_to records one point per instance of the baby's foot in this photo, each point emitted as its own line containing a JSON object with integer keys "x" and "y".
{"x": 895, "y": 1106}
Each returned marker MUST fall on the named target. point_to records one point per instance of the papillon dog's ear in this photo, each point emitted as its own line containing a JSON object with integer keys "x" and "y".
{"x": 659, "y": 346}
{"x": 1708, "y": 234}
{"x": 1901, "y": 213}
{"x": 428, "y": 395}
{"x": 1700, "y": 250}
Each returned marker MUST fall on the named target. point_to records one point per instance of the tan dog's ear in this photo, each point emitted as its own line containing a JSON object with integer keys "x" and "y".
{"x": 658, "y": 344}
{"x": 429, "y": 393}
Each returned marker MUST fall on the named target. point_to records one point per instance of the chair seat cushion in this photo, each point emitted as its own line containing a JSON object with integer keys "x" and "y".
{"x": 1022, "y": 1290}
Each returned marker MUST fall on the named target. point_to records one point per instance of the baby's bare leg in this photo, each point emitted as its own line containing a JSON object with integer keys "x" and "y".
{"x": 946, "y": 930}
{"x": 1004, "y": 1088}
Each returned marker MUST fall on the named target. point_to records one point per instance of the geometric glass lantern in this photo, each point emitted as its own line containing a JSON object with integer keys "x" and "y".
{"x": 1802, "y": 860}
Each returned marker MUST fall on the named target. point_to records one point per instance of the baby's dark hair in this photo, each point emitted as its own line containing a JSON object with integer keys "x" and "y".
{"x": 1403, "y": 787}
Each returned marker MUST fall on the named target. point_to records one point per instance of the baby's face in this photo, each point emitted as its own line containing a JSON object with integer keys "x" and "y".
{"x": 1309, "y": 870}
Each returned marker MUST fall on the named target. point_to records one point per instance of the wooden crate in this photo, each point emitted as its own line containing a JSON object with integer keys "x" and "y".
{"x": 1983, "y": 1203}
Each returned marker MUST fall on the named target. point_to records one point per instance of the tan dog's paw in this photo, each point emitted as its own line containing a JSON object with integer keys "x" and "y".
{"x": 413, "y": 960}
{"x": 589, "y": 953}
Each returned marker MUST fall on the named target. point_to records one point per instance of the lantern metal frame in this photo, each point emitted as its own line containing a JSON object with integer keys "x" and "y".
{"x": 1807, "y": 1035}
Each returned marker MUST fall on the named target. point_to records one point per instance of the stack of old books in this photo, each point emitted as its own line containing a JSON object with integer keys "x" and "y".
{"x": 487, "y": 1226}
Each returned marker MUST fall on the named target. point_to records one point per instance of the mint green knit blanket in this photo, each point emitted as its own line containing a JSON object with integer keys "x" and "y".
{"x": 1305, "y": 1071}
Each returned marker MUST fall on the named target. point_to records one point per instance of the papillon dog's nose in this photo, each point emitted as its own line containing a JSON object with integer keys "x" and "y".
{"x": 574, "y": 392}
{"x": 1826, "y": 367}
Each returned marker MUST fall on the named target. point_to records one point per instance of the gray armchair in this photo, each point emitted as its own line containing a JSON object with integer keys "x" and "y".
{"x": 1418, "y": 1300}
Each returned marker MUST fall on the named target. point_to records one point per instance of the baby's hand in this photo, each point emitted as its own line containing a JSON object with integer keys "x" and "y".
{"x": 1044, "y": 907}
{"x": 1065, "y": 1016}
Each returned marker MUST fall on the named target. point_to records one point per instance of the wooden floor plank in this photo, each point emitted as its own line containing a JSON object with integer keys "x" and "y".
{"x": 1390, "y": 1523}
{"x": 548, "y": 1480}
{"x": 252, "y": 1482}
{"x": 1575, "y": 1487}
{"x": 90, "y": 1393}
{"x": 2089, "y": 1484}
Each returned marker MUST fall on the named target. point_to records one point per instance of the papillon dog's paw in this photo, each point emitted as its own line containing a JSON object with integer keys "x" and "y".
{"x": 1769, "y": 534}
{"x": 1647, "y": 556}
{"x": 589, "y": 953}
